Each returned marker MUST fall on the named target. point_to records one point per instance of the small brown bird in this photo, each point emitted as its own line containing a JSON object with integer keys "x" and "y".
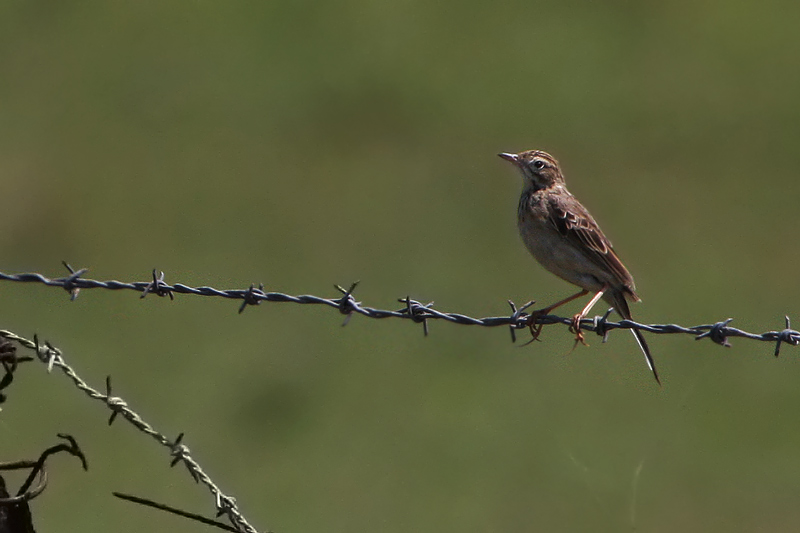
{"x": 564, "y": 238}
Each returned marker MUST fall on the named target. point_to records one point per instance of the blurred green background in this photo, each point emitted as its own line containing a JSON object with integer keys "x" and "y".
{"x": 302, "y": 144}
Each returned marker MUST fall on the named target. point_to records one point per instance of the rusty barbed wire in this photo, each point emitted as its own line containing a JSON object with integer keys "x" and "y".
{"x": 346, "y": 304}
{"x": 53, "y": 358}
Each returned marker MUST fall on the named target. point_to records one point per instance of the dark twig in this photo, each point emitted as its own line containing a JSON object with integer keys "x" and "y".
{"x": 53, "y": 358}
{"x": 173, "y": 510}
{"x": 71, "y": 448}
{"x": 25, "y": 492}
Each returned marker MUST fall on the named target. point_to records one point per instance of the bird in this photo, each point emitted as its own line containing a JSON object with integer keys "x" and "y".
{"x": 564, "y": 238}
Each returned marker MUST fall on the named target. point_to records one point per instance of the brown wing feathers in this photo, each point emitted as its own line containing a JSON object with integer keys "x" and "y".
{"x": 577, "y": 224}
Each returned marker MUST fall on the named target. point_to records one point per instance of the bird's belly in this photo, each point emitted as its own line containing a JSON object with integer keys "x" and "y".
{"x": 555, "y": 254}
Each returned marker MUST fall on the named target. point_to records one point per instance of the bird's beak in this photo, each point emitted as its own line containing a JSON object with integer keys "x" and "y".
{"x": 514, "y": 158}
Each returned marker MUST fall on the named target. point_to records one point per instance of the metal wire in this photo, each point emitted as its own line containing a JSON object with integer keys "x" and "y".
{"x": 53, "y": 358}
{"x": 345, "y": 303}
{"x": 718, "y": 332}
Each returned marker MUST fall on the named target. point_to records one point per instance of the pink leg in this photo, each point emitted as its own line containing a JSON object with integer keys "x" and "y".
{"x": 536, "y": 329}
{"x": 575, "y": 327}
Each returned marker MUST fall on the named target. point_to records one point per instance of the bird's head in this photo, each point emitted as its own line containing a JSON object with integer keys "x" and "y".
{"x": 539, "y": 169}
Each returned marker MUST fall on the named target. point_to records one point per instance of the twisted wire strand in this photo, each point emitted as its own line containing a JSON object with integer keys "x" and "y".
{"x": 53, "y": 358}
{"x": 718, "y": 332}
{"x": 346, "y": 304}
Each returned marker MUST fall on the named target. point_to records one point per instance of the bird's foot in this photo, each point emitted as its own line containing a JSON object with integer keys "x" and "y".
{"x": 534, "y": 326}
{"x": 575, "y": 327}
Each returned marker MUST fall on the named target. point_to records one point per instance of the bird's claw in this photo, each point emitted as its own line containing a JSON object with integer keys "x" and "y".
{"x": 575, "y": 327}
{"x": 536, "y": 329}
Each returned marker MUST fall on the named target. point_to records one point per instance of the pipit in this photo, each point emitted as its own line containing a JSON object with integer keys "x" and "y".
{"x": 564, "y": 238}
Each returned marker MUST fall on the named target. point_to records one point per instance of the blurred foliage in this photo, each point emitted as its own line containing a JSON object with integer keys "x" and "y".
{"x": 302, "y": 144}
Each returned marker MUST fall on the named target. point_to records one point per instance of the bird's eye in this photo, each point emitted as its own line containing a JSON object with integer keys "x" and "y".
{"x": 538, "y": 164}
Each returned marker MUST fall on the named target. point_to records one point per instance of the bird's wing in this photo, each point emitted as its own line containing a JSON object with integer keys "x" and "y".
{"x": 574, "y": 222}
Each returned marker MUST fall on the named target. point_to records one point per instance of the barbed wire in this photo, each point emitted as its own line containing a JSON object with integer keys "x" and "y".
{"x": 346, "y": 304}
{"x": 53, "y": 358}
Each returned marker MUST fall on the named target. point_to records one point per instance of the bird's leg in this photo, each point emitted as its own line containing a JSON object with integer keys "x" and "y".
{"x": 575, "y": 326}
{"x": 535, "y": 328}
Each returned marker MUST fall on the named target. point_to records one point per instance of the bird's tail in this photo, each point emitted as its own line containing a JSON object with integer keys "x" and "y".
{"x": 621, "y": 305}
{"x": 646, "y": 351}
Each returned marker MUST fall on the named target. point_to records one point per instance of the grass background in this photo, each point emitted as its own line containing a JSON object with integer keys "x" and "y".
{"x": 302, "y": 144}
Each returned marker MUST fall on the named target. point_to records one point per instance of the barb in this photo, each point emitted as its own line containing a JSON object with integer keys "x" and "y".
{"x": 53, "y": 358}
{"x": 413, "y": 310}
